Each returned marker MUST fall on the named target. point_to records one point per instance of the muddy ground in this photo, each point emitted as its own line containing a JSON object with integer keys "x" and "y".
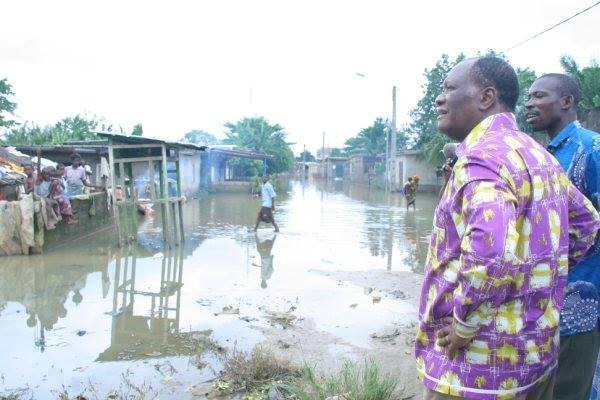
{"x": 391, "y": 347}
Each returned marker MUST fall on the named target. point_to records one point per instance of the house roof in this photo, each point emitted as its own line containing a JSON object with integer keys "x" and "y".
{"x": 129, "y": 139}
{"x": 241, "y": 153}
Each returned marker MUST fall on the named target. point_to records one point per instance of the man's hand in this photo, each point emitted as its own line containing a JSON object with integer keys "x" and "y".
{"x": 449, "y": 340}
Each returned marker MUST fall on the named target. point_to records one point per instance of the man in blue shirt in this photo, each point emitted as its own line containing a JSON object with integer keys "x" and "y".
{"x": 552, "y": 107}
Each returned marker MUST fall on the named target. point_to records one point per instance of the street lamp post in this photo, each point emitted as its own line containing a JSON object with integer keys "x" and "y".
{"x": 390, "y": 148}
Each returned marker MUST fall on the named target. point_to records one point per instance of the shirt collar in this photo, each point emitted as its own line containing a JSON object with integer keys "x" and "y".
{"x": 497, "y": 122}
{"x": 563, "y": 135}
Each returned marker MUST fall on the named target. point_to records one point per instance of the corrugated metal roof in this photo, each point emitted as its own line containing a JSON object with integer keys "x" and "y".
{"x": 128, "y": 139}
{"x": 241, "y": 153}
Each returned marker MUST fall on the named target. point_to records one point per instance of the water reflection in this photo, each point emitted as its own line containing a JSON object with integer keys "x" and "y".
{"x": 264, "y": 246}
{"x": 143, "y": 302}
{"x": 44, "y": 284}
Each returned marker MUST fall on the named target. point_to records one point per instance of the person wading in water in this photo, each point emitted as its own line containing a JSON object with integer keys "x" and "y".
{"x": 268, "y": 204}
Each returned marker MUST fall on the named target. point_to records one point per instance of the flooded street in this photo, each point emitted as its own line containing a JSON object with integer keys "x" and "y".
{"x": 86, "y": 313}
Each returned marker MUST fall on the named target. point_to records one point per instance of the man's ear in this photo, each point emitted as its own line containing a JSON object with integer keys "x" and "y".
{"x": 567, "y": 102}
{"x": 488, "y": 98}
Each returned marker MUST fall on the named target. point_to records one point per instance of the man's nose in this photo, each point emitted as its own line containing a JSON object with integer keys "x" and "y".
{"x": 440, "y": 99}
{"x": 528, "y": 104}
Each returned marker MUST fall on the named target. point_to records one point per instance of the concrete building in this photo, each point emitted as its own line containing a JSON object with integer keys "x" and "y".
{"x": 410, "y": 163}
{"x": 361, "y": 168}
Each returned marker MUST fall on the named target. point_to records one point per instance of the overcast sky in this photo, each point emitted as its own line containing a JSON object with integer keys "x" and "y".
{"x": 181, "y": 65}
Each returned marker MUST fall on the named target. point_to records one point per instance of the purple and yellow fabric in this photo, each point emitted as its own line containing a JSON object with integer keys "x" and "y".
{"x": 507, "y": 228}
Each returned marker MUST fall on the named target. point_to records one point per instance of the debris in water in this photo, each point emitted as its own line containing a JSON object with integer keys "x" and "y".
{"x": 229, "y": 310}
{"x": 285, "y": 319}
{"x": 376, "y": 298}
{"x": 154, "y": 354}
{"x": 368, "y": 290}
{"x": 81, "y": 332}
{"x": 386, "y": 334}
{"x": 204, "y": 302}
{"x": 399, "y": 294}
{"x": 354, "y": 305}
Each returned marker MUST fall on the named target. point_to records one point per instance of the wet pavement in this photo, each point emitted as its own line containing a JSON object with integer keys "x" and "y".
{"x": 87, "y": 313}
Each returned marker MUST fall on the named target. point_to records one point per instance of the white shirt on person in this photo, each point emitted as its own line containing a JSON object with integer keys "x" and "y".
{"x": 268, "y": 194}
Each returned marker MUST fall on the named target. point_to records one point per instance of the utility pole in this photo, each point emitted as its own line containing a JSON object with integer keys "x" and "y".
{"x": 392, "y": 159}
{"x": 304, "y": 174}
{"x": 323, "y": 158}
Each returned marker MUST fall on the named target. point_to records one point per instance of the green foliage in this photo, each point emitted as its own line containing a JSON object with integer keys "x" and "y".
{"x": 305, "y": 156}
{"x": 588, "y": 79}
{"x": 352, "y": 383}
{"x": 71, "y": 128}
{"x": 200, "y": 137}
{"x": 424, "y": 115}
{"x": 246, "y": 168}
{"x": 526, "y": 78}
{"x": 258, "y": 135}
{"x": 137, "y": 130}
{"x": 6, "y": 105}
{"x": 337, "y": 152}
{"x": 369, "y": 141}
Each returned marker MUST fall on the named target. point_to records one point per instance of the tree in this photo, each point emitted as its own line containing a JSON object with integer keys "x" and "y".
{"x": 588, "y": 79}
{"x": 137, "y": 130}
{"x": 200, "y": 137}
{"x": 306, "y": 156}
{"x": 424, "y": 116}
{"x": 526, "y": 78}
{"x": 337, "y": 152}
{"x": 370, "y": 141}
{"x": 78, "y": 127}
{"x": 6, "y": 105}
{"x": 258, "y": 135}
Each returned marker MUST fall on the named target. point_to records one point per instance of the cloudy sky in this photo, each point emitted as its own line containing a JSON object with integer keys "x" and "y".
{"x": 181, "y": 65}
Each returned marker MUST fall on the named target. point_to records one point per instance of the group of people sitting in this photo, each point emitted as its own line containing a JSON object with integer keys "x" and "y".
{"x": 58, "y": 184}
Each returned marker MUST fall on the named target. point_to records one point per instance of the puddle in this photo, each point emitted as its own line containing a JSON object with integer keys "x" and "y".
{"x": 90, "y": 312}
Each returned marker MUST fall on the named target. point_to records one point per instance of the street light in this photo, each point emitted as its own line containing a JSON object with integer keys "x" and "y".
{"x": 390, "y": 151}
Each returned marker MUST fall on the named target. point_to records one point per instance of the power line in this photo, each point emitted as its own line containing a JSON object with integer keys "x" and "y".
{"x": 552, "y": 27}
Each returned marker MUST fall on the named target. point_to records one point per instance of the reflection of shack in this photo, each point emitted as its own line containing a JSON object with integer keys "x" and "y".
{"x": 140, "y": 336}
{"x": 42, "y": 284}
{"x": 226, "y": 167}
{"x": 361, "y": 168}
{"x": 332, "y": 168}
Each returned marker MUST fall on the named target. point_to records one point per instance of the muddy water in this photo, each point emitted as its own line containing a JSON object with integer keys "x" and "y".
{"x": 88, "y": 314}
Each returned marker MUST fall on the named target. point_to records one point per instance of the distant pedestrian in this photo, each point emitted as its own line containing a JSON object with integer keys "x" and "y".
{"x": 410, "y": 192}
{"x": 268, "y": 204}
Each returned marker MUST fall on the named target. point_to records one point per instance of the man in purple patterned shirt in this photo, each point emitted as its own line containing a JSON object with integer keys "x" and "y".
{"x": 507, "y": 228}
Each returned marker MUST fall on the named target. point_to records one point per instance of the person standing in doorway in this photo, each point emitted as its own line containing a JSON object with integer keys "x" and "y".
{"x": 505, "y": 231}
{"x": 268, "y": 204}
{"x": 552, "y": 107}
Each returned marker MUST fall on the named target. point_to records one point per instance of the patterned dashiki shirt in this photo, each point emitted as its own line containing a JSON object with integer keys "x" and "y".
{"x": 506, "y": 230}
{"x": 578, "y": 152}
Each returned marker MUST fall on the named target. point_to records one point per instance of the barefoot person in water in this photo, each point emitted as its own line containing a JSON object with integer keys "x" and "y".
{"x": 268, "y": 204}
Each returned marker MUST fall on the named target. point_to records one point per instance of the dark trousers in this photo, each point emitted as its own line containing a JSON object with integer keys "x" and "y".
{"x": 576, "y": 365}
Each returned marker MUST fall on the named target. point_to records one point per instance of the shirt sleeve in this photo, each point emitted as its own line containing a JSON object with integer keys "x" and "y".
{"x": 485, "y": 218}
{"x": 583, "y": 224}
{"x": 272, "y": 192}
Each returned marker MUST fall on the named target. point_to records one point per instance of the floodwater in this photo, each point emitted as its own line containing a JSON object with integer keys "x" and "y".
{"x": 94, "y": 315}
